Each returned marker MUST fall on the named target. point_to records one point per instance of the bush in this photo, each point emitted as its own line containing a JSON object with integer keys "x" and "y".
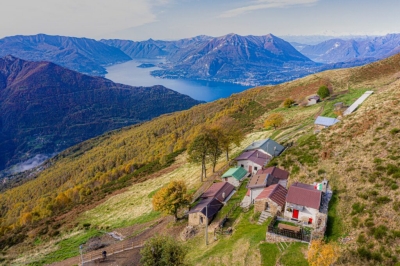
{"x": 163, "y": 251}
{"x": 288, "y": 103}
{"x": 323, "y": 92}
{"x": 394, "y": 131}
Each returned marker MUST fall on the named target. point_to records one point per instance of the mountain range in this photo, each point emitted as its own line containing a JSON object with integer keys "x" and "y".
{"x": 45, "y": 108}
{"x": 84, "y": 55}
{"x": 340, "y": 50}
{"x": 248, "y": 60}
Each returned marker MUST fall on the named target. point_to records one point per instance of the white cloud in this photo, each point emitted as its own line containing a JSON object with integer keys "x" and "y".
{"x": 264, "y": 4}
{"x": 88, "y": 18}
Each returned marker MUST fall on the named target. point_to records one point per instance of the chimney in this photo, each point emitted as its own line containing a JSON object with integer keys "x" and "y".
{"x": 223, "y": 195}
{"x": 257, "y": 154}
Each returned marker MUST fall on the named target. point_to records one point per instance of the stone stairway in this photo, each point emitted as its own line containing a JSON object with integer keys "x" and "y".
{"x": 282, "y": 246}
{"x": 264, "y": 216}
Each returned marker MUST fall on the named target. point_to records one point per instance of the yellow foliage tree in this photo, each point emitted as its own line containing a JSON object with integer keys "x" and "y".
{"x": 171, "y": 198}
{"x": 274, "y": 120}
{"x": 322, "y": 254}
{"x": 287, "y": 103}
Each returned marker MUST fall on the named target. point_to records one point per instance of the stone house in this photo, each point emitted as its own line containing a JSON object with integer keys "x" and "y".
{"x": 211, "y": 201}
{"x": 204, "y": 211}
{"x": 264, "y": 178}
{"x": 235, "y": 176}
{"x": 252, "y": 160}
{"x": 271, "y": 199}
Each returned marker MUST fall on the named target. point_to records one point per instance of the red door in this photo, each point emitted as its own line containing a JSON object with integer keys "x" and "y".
{"x": 295, "y": 214}
{"x": 310, "y": 220}
{"x": 250, "y": 169}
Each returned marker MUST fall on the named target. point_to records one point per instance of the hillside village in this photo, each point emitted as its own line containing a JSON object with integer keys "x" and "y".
{"x": 311, "y": 178}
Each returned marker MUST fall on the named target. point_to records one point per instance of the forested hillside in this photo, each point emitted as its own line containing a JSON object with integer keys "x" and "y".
{"x": 45, "y": 108}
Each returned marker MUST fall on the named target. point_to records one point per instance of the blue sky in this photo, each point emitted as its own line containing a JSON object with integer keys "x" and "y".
{"x": 175, "y": 19}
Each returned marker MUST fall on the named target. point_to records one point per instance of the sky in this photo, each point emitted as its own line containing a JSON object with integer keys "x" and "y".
{"x": 175, "y": 19}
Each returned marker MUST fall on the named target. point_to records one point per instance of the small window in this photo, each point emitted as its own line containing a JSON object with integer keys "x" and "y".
{"x": 242, "y": 165}
{"x": 255, "y": 168}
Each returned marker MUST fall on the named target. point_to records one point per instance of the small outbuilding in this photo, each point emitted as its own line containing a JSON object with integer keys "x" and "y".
{"x": 313, "y": 100}
{"x": 235, "y": 176}
{"x": 324, "y": 122}
{"x": 204, "y": 211}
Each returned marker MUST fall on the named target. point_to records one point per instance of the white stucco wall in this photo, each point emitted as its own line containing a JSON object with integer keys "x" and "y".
{"x": 247, "y": 163}
{"x": 304, "y": 213}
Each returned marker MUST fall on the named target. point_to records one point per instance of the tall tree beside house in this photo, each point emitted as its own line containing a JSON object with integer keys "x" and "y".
{"x": 199, "y": 151}
{"x": 274, "y": 120}
{"x": 231, "y": 133}
{"x": 163, "y": 251}
{"x": 216, "y": 137}
{"x": 323, "y": 92}
{"x": 171, "y": 198}
{"x": 322, "y": 254}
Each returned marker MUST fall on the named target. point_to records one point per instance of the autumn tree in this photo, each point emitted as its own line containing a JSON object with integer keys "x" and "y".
{"x": 322, "y": 254}
{"x": 171, "y": 198}
{"x": 287, "y": 103}
{"x": 323, "y": 92}
{"x": 215, "y": 138}
{"x": 231, "y": 133}
{"x": 163, "y": 251}
{"x": 274, "y": 120}
{"x": 199, "y": 151}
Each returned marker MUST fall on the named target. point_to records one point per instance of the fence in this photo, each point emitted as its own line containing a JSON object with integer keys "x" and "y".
{"x": 302, "y": 235}
{"x": 114, "y": 249}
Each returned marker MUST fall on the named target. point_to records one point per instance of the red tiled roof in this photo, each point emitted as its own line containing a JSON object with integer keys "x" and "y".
{"x": 218, "y": 190}
{"x": 276, "y": 193}
{"x": 304, "y": 195}
{"x": 277, "y": 172}
{"x": 258, "y": 180}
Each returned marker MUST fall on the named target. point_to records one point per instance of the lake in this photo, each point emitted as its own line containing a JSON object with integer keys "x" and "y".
{"x": 128, "y": 73}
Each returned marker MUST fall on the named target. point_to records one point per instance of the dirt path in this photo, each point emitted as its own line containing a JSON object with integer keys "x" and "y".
{"x": 162, "y": 226}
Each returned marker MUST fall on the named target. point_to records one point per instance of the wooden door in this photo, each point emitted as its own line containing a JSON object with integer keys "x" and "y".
{"x": 295, "y": 214}
{"x": 250, "y": 169}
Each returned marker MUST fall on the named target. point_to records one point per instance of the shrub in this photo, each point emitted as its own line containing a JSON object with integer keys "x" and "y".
{"x": 288, "y": 102}
{"x": 394, "y": 131}
{"x": 323, "y": 92}
{"x": 163, "y": 250}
